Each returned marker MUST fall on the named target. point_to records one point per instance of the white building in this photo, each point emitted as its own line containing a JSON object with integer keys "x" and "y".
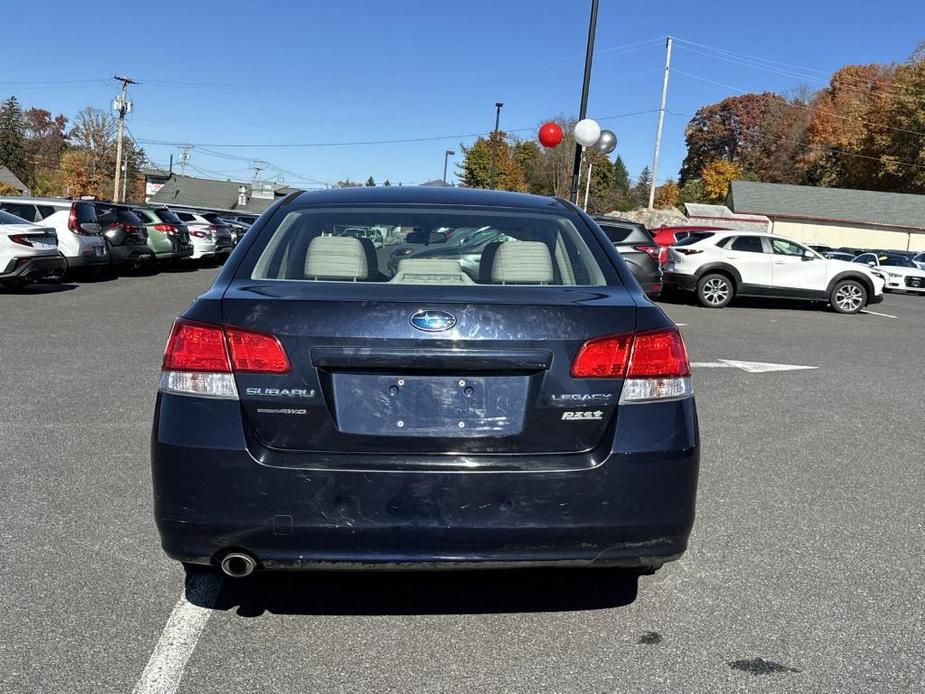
{"x": 835, "y": 216}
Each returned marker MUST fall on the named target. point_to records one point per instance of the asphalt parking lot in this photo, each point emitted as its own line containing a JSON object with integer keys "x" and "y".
{"x": 805, "y": 570}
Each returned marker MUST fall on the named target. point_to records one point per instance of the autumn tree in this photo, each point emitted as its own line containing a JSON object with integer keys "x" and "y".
{"x": 666, "y": 195}
{"x": 12, "y": 138}
{"x": 45, "y": 142}
{"x": 716, "y": 178}
{"x": 475, "y": 171}
{"x": 901, "y": 150}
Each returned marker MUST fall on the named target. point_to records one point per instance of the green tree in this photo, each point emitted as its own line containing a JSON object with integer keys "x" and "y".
{"x": 370, "y": 182}
{"x": 692, "y": 191}
{"x": 475, "y": 169}
{"x": 13, "y": 138}
{"x": 640, "y": 191}
{"x": 387, "y": 183}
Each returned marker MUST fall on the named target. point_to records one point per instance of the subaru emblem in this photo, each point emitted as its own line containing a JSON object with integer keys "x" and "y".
{"x": 433, "y": 321}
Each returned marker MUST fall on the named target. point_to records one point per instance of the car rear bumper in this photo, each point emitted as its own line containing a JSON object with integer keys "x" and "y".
{"x": 679, "y": 282}
{"x": 34, "y": 267}
{"x": 211, "y": 495}
{"x": 130, "y": 255}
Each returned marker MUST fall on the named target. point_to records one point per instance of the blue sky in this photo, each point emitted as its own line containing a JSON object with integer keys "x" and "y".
{"x": 220, "y": 74}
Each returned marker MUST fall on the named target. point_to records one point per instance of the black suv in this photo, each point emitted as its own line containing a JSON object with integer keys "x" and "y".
{"x": 639, "y": 250}
{"x": 125, "y": 235}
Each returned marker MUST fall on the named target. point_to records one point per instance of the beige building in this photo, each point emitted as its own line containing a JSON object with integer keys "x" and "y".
{"x": 836, "y": 217}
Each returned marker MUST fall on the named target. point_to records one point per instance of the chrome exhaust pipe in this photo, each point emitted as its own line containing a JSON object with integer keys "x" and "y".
{"x": 238, "y": 565}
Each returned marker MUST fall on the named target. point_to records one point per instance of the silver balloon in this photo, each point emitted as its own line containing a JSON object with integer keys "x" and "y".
{"x": 607, "y": 142}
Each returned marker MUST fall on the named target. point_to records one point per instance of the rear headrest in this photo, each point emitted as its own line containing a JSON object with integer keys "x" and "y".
{"x": 522, "y": 262}
{"x": 336, "y": 258}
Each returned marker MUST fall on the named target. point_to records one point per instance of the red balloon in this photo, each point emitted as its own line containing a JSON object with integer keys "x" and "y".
{"x": 550, "y": 134}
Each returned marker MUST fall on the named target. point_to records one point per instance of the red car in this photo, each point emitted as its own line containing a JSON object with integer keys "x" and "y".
{"x": 669, "y": 236}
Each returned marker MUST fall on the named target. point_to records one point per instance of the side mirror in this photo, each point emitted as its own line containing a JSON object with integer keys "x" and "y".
{"x": 808, "y": 255}
{"x": 871, "y": 263}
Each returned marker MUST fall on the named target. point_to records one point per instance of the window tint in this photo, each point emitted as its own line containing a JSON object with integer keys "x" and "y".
{"x": 21, "y": 210}
{"x": 45, "y": 211}
{"x": 618, "y": 233}
{"x": 784, "y": 247}
{"x": 9, "y": 218}
{"x": 127, "y": 216}
{"x": 694, "y": 237}
{"x": 515, "y": 248}
{"x": 896, "y": 260}
{"x": 212, "y": 218}
{"x": 86, "y": 212}
{"x": 749, "y": 244}
{"x": 186, "y": 216}
{"x": 866, "y": 258}
{"x": 165, "y": 215}
{"x": 146, "y": 216}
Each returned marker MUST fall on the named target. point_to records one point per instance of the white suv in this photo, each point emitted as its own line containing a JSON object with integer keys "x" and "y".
{"x": 74, "y": 222}
{"x": 720, "y": 265}
{"x": 27, "y": 252}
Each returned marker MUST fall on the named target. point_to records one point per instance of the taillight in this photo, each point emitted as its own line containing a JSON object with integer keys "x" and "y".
{"x": 653, "y": 363}
{"x": 168, "y": 229}
{"x": 688, "y": 251}
{"x": 651, "y": 251}
{"x": 662, "y": 255}
{"x": 256, "y": 352}
{"x": 72, "y": 224}
{"x": 200, "y": 358}
{"x": 198, "y": 234}
{"x": 603, "y": 357}
{"x": 21, "y": 239}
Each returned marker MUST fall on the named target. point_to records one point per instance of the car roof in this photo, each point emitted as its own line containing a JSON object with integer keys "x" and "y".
{"x": 427, "y": 195}
{"x": 43, "y": 201}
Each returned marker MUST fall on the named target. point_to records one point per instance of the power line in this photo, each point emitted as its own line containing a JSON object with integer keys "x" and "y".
{"x": 358, "y": 143}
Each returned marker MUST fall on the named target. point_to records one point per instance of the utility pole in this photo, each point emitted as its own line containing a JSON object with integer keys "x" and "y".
{"x": 184, "y": 157}
{"x": 583, "y": 109}
{"x": 494, "y": 144}
{"x": 446, "y": 155}
{"x": 661, "y": 120}
{"x": 123, "y": 106}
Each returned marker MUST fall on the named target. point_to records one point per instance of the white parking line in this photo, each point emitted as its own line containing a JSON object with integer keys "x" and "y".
{"x": 885, "y": 315}
{"x": 178, "y": 640}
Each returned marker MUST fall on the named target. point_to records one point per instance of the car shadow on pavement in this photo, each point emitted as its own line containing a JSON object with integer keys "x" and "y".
{"x": 40, "y": 288}
{"x": 421, "y": 592}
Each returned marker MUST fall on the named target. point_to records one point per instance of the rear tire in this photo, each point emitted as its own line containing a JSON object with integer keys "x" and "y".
{"x": 848, "y": 296}
{"x": 715, "y": 290}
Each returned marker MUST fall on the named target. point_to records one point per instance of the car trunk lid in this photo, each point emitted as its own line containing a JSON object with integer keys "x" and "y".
{"x": 452, "y": 375}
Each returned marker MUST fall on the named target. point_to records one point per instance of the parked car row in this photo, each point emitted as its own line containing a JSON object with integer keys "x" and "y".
{"x": 47, "y": 238}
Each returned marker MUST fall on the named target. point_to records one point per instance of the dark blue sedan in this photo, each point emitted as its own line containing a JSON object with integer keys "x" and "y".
{"x": 318, "y": 409}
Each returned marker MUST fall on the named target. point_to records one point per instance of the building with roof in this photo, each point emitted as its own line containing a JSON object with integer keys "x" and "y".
{"x": 835, "y": 216}
{"x": 7, "y": 177}
{"x": 210, "y": 194}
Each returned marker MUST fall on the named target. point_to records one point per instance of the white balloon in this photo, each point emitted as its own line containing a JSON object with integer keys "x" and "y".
{"x": 587, "y": 132}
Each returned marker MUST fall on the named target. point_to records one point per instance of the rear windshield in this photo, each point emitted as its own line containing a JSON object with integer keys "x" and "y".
{"x": 694, "y": 237}
{"x": 896, "y": 260}
{"x": 438, "y": 247}
{"x": 620, "y": 234}
{"x": 7, "y": 218}
{"x": 212, "y": 218}
{"x": 86, "y": 212}
{"x": 166, "y": 216}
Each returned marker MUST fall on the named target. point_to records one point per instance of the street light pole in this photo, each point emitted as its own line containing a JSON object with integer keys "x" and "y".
{"x": 583, "y": 109}
{"x": 123, "y": 106}
{"x": 494, "y": 143}
{"x": 446, "y": 155}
